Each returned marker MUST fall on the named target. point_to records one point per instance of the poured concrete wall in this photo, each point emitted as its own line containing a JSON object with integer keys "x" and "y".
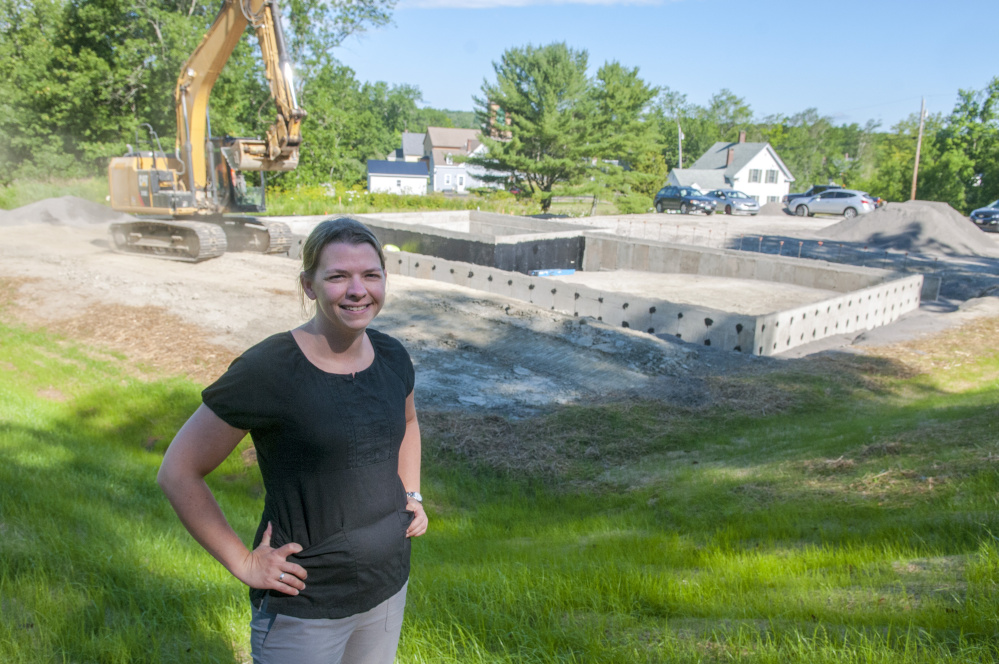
{"x": 605, "y": 252}
{"x": 853, "y": 312}
{"x": 701, "y": 325}
{"x": 493, "y": 253}
{"x": 767, "y": 334}
{"x": 515, "y": 244}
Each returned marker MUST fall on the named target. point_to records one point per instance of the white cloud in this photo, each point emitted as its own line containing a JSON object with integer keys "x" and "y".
{"x": 492, "y": 4}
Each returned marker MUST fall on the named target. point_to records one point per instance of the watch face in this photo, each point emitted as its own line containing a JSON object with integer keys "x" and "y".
{"x": 415, "y": 495}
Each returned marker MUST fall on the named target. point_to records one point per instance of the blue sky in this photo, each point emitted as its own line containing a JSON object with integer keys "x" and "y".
{"x": 852, "y": 60}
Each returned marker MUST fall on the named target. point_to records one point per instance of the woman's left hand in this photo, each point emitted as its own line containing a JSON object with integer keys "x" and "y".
{"x": 418, "y": 525}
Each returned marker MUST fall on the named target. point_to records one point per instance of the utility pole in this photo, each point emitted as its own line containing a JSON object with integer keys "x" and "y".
{"x": 919, "y": 144}
{"x": 679, "y": 138}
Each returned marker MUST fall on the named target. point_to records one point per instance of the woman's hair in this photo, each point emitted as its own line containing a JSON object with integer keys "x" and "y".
{"x": 331, "y": 231}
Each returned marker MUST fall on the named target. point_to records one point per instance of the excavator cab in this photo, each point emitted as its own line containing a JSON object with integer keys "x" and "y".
{"x": 236, "y": 190}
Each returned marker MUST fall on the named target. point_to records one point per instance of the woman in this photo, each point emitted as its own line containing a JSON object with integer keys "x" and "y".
{"x": 329, "y": 406}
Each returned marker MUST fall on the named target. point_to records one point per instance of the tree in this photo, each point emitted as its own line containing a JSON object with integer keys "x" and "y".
{"x": 78, "y": 76}
{"x": 972, "y": 131}
{"x": 546, "y": 94}
{"x": 626, "y": 142}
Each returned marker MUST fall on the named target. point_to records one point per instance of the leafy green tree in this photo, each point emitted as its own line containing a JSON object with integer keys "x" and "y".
{"x": 626, "y": 139}
{"x": 349, "y": 123}
{"x": 546, "y": 94}
{"x": 77, "y": 77}
{"x": 896, "y": 155}
{"x": 972, "y": 131}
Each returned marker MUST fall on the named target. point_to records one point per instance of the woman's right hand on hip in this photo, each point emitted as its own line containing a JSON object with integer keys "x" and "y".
{"x": 268, "y": 568}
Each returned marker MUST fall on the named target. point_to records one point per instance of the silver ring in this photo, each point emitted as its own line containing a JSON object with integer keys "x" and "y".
{"x": 281, "y": 578}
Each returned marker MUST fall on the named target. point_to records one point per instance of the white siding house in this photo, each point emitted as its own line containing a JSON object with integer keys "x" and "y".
{"x": 752, "y": 168}
{"x": 446, "y": 147}
{"x": 411, "y": 150}
{"x": 397, "y": 177}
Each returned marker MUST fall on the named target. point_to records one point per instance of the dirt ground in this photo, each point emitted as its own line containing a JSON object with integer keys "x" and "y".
{"x": 473, "y": 351}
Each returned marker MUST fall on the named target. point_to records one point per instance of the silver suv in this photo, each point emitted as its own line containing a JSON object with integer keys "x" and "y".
{"x": 847, "y": 202}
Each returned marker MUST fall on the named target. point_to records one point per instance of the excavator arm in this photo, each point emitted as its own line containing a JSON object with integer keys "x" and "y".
{"x": 181, "y": 199}
{"x": 278, "y": 151}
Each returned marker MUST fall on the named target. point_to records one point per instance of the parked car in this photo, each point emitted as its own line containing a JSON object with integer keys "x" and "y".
{"x": 731, "y": 201}
{"x": 684, "y": 199}
{"x": 790, "y": 200}
{"x": 847, "y": 202}
{"x": 987, "y": 218}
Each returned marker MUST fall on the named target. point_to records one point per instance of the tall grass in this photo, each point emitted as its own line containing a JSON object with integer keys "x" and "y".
{"x": 854, "y": 523}
{"x": 319, "y": 200}
{"x": 25, "y": 192}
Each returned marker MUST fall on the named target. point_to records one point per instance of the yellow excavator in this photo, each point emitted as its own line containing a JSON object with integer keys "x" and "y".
{"x": 181, "y": 199}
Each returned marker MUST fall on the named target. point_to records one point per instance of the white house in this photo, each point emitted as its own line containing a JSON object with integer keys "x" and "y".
{"x": 445, "y": 146}
{"x": 397, "y": 177}
{"x": 411, "y": 150}
{"x": 752, "y": 168}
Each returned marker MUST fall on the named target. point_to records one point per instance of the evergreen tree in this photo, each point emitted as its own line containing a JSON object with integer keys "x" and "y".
{"x": 547, "y": 96}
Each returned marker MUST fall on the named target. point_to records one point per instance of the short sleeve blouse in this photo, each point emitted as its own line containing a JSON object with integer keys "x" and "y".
{"x": 328, "y": 449}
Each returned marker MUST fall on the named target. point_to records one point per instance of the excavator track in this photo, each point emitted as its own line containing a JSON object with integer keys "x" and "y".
{"x": 188, "y": 241}
{"x": 256, "y": 235}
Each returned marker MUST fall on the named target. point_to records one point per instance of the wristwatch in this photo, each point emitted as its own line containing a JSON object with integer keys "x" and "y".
{"x": 415, "y": 495}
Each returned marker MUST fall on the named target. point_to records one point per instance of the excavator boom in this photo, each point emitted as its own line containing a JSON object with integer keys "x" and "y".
{"x": 203, "y": 179}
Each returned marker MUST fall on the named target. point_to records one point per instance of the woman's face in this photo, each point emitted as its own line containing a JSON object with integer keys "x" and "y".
{"x": 348, "y": 287}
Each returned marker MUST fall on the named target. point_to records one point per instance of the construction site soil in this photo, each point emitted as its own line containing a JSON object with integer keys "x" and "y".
{"x": 473, "y": 351}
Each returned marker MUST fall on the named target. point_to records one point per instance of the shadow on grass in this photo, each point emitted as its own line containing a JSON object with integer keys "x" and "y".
{"x": 94, "y": 562}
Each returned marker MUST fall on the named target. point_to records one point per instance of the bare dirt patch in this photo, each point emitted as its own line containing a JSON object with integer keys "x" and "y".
{"x": 475, "y": 353}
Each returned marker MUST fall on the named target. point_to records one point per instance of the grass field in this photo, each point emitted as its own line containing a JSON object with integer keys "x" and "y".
{"x": 314, "y": 200}
{"x": 836, "y": 511}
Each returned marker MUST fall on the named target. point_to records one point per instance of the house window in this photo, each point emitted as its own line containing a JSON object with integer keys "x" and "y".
{"x": 461, "y": 180}
{"x": 754, "y": 174}
{"x": 398, "y": 183}
{"x": 771, "y": 177}
{"x": 447, "y": 179}
{"x": 772, "y": 199}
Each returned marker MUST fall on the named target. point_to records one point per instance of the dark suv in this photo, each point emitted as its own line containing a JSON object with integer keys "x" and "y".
{"x": 814, "y": 190}
{"x": 684, "y": 199}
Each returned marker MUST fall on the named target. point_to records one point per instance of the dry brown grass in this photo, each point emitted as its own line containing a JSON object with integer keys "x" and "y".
{"x": 148, "y": 337}
{"x": 952, "y": 349}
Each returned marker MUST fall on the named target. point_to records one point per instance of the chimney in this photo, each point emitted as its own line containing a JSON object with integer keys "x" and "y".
{"x": 742, "y": 137}
{"x": 730, "y": 157}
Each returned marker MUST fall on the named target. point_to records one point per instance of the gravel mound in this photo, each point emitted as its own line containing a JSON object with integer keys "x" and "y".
{"x": 916, "y": 226}
{"x": 62, "y": 211}
{"x": 773, "y": 207}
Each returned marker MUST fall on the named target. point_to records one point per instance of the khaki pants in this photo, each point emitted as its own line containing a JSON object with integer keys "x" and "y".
{"x": 365, "y": 638}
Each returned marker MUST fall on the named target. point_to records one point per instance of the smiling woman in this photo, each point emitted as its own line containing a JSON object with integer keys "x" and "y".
{"x": 329, "y": 406}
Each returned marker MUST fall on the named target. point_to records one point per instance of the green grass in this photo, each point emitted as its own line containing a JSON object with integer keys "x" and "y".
{"x": 853, "y": 519}
{"x": 20, "y": 193}
{"x": 317, "y": 200}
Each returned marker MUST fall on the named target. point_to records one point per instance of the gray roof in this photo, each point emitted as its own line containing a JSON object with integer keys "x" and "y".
{"x": 702, "y": 178}
{"x": 412, "y": 144}
{"x": 717, "y": 155}
{"x": 407, "y": 168}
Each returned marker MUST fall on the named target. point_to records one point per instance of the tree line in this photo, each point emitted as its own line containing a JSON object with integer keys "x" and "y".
{"x": 79, "y": 78}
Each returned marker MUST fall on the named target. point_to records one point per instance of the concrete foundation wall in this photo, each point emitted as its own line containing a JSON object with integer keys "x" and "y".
{"x": 768, "y": 334}
{"x": 853, "y": 313}
{"x": 605, "y": 252}
{"x": 701, "y": 325}
{"x": 497, "y": 258}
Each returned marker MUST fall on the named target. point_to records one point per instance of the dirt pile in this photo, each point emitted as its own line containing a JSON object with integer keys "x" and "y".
{"x": 62, "y": 211}
{"x": 915, "y": 226}
{"x": 773, "y": 207}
